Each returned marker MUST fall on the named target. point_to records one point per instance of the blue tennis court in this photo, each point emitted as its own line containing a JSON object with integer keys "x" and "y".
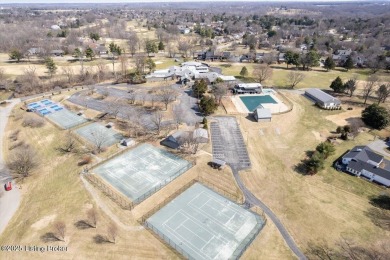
{"x": 140, "y": 172}
{"x": 201, "y": 224}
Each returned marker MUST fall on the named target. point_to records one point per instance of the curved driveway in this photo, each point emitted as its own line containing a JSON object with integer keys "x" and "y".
{"x": 251, "y": 199}
{"x": 9, "y": 200}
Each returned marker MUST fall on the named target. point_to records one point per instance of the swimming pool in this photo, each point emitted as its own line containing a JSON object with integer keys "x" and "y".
{"x": 253, "y": 102}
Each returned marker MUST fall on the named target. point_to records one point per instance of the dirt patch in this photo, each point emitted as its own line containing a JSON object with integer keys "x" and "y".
{"x": 347, "y": 117}
{"x": 44, "y": 222}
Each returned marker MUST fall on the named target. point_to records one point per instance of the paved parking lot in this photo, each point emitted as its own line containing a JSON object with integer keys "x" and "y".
{"x": 228, "y": 144}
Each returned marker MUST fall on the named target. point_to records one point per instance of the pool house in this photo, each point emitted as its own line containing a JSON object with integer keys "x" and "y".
{"x": 248, "y": 88}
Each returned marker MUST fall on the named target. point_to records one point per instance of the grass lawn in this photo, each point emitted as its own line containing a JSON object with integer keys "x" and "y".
{"x": 313, "y": 208}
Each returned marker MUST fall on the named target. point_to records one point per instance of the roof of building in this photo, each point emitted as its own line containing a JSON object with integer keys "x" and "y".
{"x": 192, "y": 63}
{"x": 263, "y": 113}
{"x": 200, "y": 133}
{"x": 360, "y": 165}
{"x": 363, "y": 153}
{"x": 227, "y": 78}
{"x": 173, "y": 141}
{"x": 249, "y": 85}
{"x": 322, "y": 96}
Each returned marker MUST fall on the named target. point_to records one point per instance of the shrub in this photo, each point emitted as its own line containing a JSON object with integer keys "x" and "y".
{"x": 33, "y": 121}
{"x": 86, "y": 159}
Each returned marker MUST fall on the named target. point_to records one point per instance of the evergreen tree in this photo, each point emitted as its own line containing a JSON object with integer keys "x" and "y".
{"x": 89, "y": 53}
{"x": 244, "y": 72}
{"x": 208, "y": 105}
{"x": 337, "y": 85}
{"x": 161, "y": 46}
{"x": 16, "y": 55}
{"x": 348, "y": 64}
{"x": 329, "y": 64}
{"x": 51, "y": 66}
{"x": 199, "y": 88}
{"x": 376, "y": 116}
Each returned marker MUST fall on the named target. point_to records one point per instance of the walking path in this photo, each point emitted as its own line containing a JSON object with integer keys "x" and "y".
{"x": 249, "y": 197}
{"x": 106, "y": 210}
{"x": 9, "y": 200}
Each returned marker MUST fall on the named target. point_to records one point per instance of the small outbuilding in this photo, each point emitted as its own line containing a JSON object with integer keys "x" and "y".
{"x": 174, "y": 140}
{"x": 201, "y": 135}
{"x": 262, "y": 115}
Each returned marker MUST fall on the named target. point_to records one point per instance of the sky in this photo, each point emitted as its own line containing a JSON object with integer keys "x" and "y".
{"x": 143, "y": 1}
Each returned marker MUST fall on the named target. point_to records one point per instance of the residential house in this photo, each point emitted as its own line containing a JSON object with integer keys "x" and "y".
{"x": 57, "y": 52}
{"x": 323, "y": 99}
{"x": 340, "y": 56}
{"x": 362, "y": 161}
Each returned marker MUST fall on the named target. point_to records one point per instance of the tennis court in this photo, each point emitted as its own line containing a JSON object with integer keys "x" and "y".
{"x": 66, "y": 119}
{"x": 96, "y": 133}
{"x": 201, "y": 224}
{"x": 140, "y": 172}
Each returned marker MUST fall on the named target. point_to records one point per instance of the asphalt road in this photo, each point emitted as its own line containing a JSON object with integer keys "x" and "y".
{"x": 9, "y": 200}
{"x": 228, "y": 145}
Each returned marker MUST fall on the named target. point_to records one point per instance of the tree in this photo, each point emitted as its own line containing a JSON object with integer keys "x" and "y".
{"x": 178, "y": 115}
{"x": 112, "y": 232}
{"x": 79, "y": 54}
{"x": 161, "y": 46}
{"x": 133, "y": 42}
{"x": 150, "y": 65}
{"x": 69, "y": 145}
{"x": 150, "y": 47}
{"x": 348, "y": 64}
{"x": 383, "y": 92}
{"x": 184, "y": 46}
{"x": 219, "y": 91}
{"x": 208, "y": 105}
{"x": 60, "y": 230}
{"x": 199, "y": 88}
{"x": 157, "y": 120}
{"x": 375, "y": 116}
{"x": 92, "y": 217}
{"x": 68, "y": 72}
{"x": 167, "y": 96}
{"x": 89, "y": 53}
{"x": 369, "y": 87}
{"x": 294, "y": 78}
{"x": 51, "y": 66}
{"x": 140, "y": 62}
{"x": 262, "y": 73}
{"x": 23, "y": 161}
{"x": 94, "y": 36}
{"x": 292, "y": 58}
{"x": 329, "y": 64}
{"x": 350, "y": 86}
{"x": 99, "y": 139}
{"x": 310, "y": 59}
{"x": 115, "y": 49}
{"x": 244, "y": 72}
{"x": 16, "y": 55}
{"x": 315, "y": 163}
{"x": 326, "y": 149}
{"x": 337, "y": 85}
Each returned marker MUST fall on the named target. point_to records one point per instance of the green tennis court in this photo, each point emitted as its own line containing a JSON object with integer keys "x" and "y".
{"x": 66, "y": 119}
{"x": 98, "y": 134}
{"x": 140, "y": 172}
{"x": 201, "y": 224}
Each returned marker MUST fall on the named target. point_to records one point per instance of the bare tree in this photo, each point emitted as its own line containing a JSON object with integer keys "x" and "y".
{"x": 67, "y": 71}
{"x": 30, "y": 77}
{"x": 383, "y": 92}
{"x": 219, "y": 91}
{"x": 184, "y": 46}
{"x": 92, "y": 217}
{"x": 136, "y": 122}
{"x": 124, "y": 62}
{"x": 140, "y": 62}
{"x": 69, "y": 145}
{"x": 157, "y": 120}
{"x": 112, "y": 232}
{"x": 23, "y": 162}
{"x": 262, "y": 73}
{"x": 114, "y": 107}
{"x": 99, "y": 139}
{"x": 167, "y": 95}
{"x": 131, "y": 96}
{"x": 178, "y": 115}
{"x": 133, "y": 41}
{"x": 101, "y": 69}
{"x": 189, "y": 144}
{"x": 60, "y": 230}
{"x": 294, "y": 78}
{"x": 369, "y": 87}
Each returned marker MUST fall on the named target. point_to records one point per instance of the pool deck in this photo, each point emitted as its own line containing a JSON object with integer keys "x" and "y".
{"x": 275, "y": 108}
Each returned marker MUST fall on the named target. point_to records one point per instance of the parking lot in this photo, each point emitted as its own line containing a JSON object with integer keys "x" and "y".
{"x": 228, "y": 144}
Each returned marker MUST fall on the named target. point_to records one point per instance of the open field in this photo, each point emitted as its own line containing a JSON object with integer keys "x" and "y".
{"x": 313, "y": 208}
{"x": 318, "y": 77}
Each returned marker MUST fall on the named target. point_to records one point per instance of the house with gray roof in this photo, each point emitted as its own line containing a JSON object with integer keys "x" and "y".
{"x": 323, "y": 99}
{"x": 362, "y": 161}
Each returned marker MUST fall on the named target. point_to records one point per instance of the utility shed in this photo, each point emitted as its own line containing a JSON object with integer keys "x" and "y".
{"x": 323, "y": 99}
{"x": 262, "y": 115}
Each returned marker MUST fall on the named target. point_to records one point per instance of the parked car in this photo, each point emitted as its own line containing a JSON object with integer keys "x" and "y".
{"x": 8, "y": 186}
